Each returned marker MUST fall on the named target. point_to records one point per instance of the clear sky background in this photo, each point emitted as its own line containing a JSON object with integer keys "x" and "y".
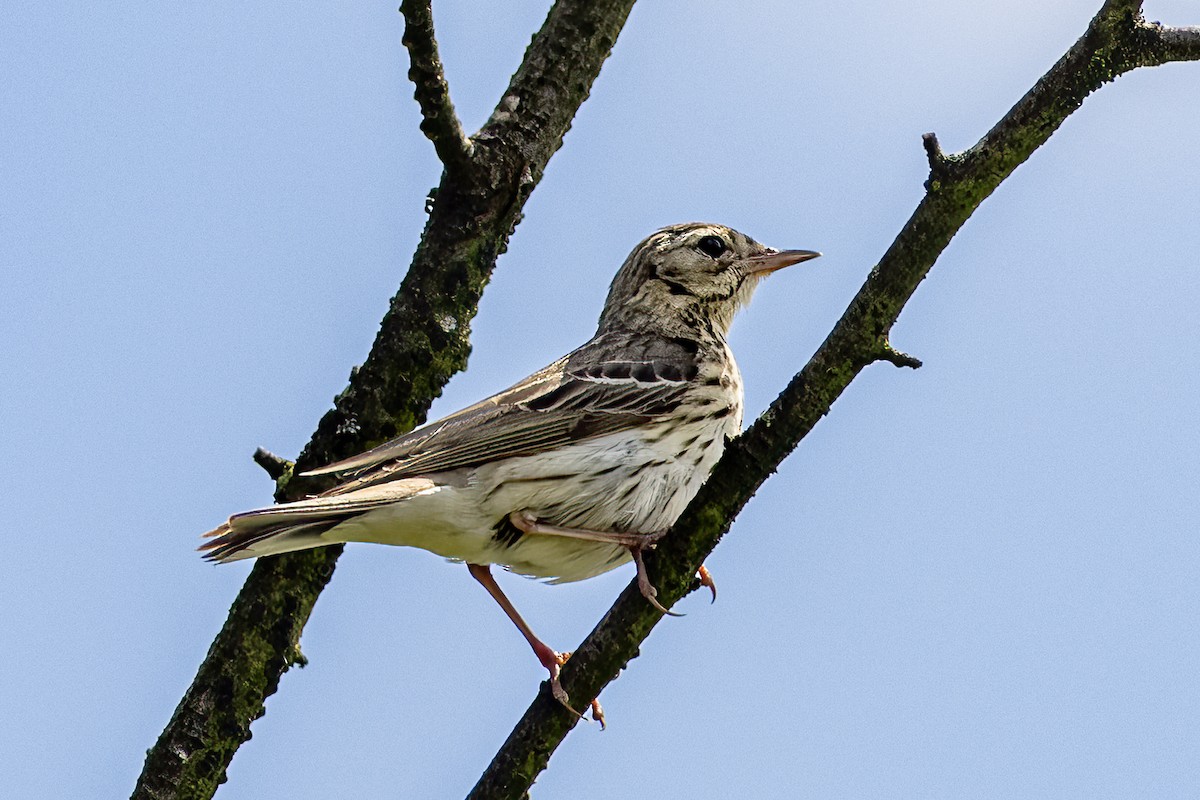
{"x": 979, "y": 579}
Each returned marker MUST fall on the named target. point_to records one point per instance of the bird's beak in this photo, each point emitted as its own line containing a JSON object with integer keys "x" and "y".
{"x": 771, "y": 260}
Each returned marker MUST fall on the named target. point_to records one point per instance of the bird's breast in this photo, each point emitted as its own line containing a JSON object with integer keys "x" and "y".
{"x": 636, "y": 480}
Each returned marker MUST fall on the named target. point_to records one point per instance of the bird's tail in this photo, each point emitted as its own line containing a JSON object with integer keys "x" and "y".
{"x": 304, "y": 523}
{"x": 287, "y": 526}
{"x": 238, "y": 539}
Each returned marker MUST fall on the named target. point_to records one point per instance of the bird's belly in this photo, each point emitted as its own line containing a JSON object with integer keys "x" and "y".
{"x": 463, "y": 524}
{"x": 447, "y": 521}
{"x": 636, "y": 482}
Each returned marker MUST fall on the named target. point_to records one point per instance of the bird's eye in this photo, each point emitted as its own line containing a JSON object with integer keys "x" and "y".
{"x": 712, "y": 246}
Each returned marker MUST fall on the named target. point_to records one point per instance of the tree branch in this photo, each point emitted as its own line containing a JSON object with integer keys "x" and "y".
{"x": 439, "y": 122}
{"x": 1115, "y": 42}
{"x": 1174, "y": 44}
{"x": 422, "y": 341}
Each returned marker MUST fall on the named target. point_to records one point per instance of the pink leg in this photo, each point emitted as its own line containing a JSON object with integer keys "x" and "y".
{"x": 549, "y": 658}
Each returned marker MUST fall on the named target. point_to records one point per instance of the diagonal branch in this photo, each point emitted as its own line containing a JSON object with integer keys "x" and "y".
{"x": 439, "y": 122}
{"x": 1116, "y": 41}
{"x": 422, "y": 341}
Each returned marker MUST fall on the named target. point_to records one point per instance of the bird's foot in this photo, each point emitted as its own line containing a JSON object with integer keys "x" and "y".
{"x": 706, "y": 579}
{"x": 526, "y": 522}
{"x": 647, "y": 589}
{"x": 598, "y": 713}
{"x": 553, "y": 661}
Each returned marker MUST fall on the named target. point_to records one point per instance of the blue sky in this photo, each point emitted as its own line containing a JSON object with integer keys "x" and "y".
{"x": 974, "y": 580}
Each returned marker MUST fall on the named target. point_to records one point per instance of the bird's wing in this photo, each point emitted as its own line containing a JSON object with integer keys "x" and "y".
{"x": 540, "y": 382}
{"x": 557, "y": 406}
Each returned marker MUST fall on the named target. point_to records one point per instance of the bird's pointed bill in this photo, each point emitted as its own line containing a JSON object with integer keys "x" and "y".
{"x": 773, "y": 260}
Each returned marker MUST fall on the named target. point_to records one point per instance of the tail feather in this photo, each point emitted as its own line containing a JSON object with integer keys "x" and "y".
{"x": 234, "y": 544}
{"x": 280, "y": 529}
{"x": 302, "y": 524}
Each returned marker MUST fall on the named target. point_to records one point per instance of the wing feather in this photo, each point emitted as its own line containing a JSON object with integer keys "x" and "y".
{"x": 596, "y": 390}
{"x": 533, "y": 386}
{"x": 576, "y": 409}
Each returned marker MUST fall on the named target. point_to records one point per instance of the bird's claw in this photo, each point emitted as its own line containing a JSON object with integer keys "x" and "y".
{"x": 598, "y": 713}
{"x": 523, "y": 521}
{"x": 647, "y": 589}
{"x": 560, "y": 694}
{"x": 706, "y": 579}
{"x": 556, "y": 687}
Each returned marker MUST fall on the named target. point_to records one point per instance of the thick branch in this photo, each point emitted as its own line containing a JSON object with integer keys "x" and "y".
{"x": 1115, "y": 42}
{"x": 439, "y": 122}
{"x": 422, "y": 341}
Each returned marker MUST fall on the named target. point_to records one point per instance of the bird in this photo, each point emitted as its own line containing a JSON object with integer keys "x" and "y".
{"x": 576, "y": 469}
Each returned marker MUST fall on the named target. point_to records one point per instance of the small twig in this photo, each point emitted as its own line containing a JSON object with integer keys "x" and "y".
{"x": 439, "y": 122}
{"x": 898, "y": 357}
{"x": 942, "y": 167}
{"x": 276, "y": 466}
{"x": 933, "y": 151}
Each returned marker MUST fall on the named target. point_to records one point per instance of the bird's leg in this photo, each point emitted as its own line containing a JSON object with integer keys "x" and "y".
{"x": 527, "y": 523}
{"x": 636, "y": 542}
{"x": 550, "y": 658}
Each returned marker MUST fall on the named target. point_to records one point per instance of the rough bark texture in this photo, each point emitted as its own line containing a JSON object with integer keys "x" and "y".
{"x": 422, "y": 342}
{"x": 1116, "y": 41}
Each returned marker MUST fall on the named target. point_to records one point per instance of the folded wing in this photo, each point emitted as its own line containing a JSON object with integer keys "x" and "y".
{"x": 573, "y": 399}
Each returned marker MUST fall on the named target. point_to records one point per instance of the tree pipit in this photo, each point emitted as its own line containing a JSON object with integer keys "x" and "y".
{"x": 576, "y": 469}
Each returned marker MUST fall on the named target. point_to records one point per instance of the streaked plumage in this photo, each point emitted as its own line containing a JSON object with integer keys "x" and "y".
{"x": 614, "y": 438}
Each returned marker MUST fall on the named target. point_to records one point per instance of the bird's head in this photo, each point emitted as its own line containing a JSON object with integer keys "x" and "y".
{"x": 692, "y": 276}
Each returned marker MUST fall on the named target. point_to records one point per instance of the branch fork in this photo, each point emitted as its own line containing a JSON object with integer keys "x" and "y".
{"x": 422, "y": 341}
